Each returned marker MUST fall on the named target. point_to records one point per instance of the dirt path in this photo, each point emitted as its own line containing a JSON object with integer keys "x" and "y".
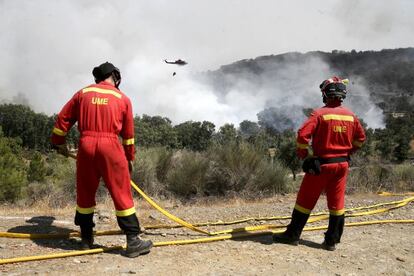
{"x": 367, "y": 250}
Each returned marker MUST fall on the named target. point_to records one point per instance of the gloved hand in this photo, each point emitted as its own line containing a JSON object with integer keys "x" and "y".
{"x": 62, "y": 149}
{"x": 130, "y": 166}
{"x": 312, "y": 165}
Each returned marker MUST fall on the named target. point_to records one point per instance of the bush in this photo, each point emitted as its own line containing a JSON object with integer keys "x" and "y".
{"x": 240, "y": 167}
{"x": 13, "y": 176}
{"x": 367, "y": 178}
{"x": 37, "y": 168}
{"x": 151, "y": 166}
{"x": 188, "y": 174}
{"x": 271, "y": 179}
{"x": 59, "y": 184}
{"x": 378, "y": 177}
{"x": 403, "y": 177}
{"x": 235, "y": 164}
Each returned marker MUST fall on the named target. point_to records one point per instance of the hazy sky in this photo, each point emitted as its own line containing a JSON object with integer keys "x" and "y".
{"x": 48, "y": 48}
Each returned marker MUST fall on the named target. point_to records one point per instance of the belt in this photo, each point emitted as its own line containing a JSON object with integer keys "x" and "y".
{"x": 334, "y": 160}
{"x": 98, "y": 134}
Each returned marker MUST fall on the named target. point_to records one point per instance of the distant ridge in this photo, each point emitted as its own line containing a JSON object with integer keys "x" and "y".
{"x": 387, "y": 74}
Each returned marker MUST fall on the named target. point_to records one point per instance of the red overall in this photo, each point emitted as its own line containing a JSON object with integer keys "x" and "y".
{"x": 103, "y": 113}
{"x": 333, "y": 131}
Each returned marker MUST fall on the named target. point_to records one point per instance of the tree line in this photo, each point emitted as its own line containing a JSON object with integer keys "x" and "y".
{"x": 31, "y": 130}
{"x": 228, "y": 156}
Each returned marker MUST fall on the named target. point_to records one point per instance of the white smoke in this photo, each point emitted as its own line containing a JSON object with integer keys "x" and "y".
{"x": 181, "y": 97}
{"x": 48, "y": 49}
{"x": 287, "y": 88}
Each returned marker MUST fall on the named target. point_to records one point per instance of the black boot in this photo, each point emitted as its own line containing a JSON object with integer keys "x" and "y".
{"x": 294, "y": 229}
{"x": 129, "y": 224}
{"x": 334, "y": 233}
{"x": 136, "y": 246}
{"x": 85, "y": 221}
{"x": 86, "y": 238}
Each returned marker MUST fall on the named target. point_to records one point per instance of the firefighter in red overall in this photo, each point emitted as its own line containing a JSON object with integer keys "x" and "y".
{"x": 103, "y": 113}
{"x": 325, "y": 141}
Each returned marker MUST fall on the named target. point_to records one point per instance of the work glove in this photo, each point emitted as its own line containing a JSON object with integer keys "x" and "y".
{"x": 62, "y": 149}
{"x": 312, "y": 165}
{"x": 130, "y": 166}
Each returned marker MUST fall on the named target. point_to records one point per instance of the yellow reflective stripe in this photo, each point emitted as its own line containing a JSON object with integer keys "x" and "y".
{"x": 302, "y": 209}
{"x": 85, "y": 211}
{"x": 127, "y": 142}
{"x": 302, "y": 146}
{"x": 59, "y": 132}
{"x": 337, "y": 212}
{"x": 125, "y": 213}
{"x": 357, "y": 143}
{"x": 102, "y": 91}
{"x": 337, "y": 117}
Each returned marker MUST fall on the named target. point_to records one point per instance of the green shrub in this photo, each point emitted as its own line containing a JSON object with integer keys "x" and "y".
{"x": 378, "y": 177}
{"x": 271, "y": 179}
{"x": 403, "y": 177}
{"x": 239, "y": 167}
{"x": 151, "y": 166}
{"x": 163, "y": 164}
{"x": 59, "y": 184}
{"x": 368, "y": 178}
{"x": 37, "y": 168}
{"x": 13, "y": 175}
{"x": 234, "y": 165}
{"x": 188, "y": 174}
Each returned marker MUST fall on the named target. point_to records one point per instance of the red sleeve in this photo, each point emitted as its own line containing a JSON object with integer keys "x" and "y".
{"x": 127, "y": 132}
{"x": 305, "y": 135}
{"x": 66, "y": 118}
{"x": 359, "y": 136}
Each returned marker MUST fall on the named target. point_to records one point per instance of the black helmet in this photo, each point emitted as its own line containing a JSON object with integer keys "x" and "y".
{"x": 104, "y": 71}
{"x": 334, "y": 87}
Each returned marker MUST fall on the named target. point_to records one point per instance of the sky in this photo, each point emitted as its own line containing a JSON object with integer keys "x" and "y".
{"x": 49, "y": 48}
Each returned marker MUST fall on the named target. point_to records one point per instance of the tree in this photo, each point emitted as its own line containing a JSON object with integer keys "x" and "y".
{"x": 385, "y": 144}
{"x": 12, "y": 169}
{"x": 402, "y": 148}
{"x": 287, "y": 152}
{"x": 278, "y": 119}
{"x": 368, "y": 147}
{"x": 153, "y": 131}
{"x": 195, "y": 135}
{"x": 394, "y": 141}
{"x": 34, "y": 129}
{"x": 37, "y": 168}
{"x": 227, "y": 134}
{"x": 248, "y": 129}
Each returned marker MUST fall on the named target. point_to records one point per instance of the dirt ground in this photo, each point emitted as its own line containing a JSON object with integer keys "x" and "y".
{"x": 386, "y": 249}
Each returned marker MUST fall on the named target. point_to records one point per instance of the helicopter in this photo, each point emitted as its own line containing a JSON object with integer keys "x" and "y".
{"x": 176, "y": 62}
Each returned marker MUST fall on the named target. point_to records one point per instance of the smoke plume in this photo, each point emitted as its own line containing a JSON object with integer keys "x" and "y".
{"x": 48, "y": 50}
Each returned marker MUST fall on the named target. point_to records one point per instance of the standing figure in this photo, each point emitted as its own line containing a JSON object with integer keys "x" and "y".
{"x": 103, "y": 113}
{"x": 333, "y": 132}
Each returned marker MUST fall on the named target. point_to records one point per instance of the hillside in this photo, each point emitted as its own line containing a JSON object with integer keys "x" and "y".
{"x": 386, "y": 75}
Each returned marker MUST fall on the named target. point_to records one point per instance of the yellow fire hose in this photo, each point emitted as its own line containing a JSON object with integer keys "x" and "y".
{"x": 164, "y": 212}
{"x": 314, "y": 217}
{"x": 183, "y": 242}
{"x": 322, "y": 215}
{"x": 171, "y": 216}
{"x": 250, "y": 219}
{"x": 234, "y": 233}
{"x": 238, "y": 233}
